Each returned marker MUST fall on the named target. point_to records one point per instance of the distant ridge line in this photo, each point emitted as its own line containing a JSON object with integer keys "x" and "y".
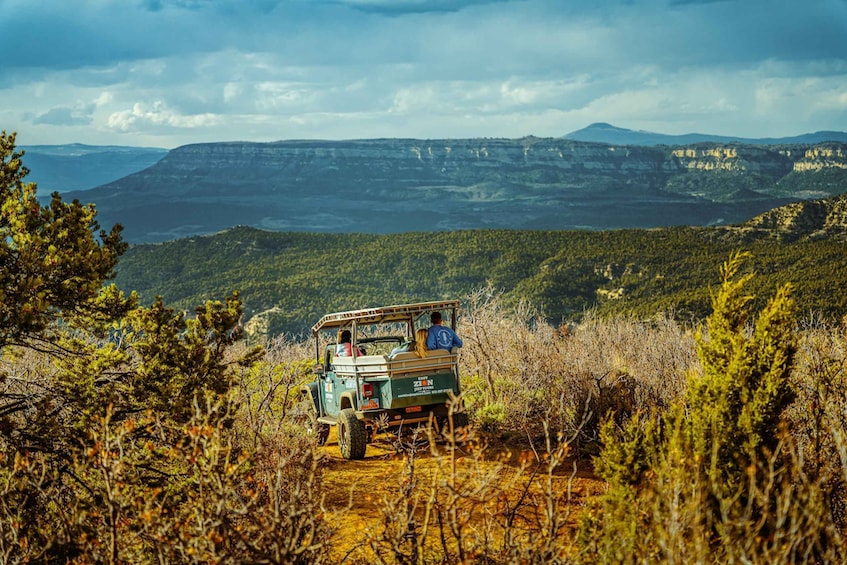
{"x": 602, "y": 132}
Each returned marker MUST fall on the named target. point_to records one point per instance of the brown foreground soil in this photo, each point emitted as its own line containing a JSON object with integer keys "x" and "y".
{"x": 359, "y": 495}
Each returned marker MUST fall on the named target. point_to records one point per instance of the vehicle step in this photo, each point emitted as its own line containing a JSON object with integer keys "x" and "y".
{"x": 331, "y": 420}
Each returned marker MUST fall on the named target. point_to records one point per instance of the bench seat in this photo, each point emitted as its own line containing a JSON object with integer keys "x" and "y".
{"x": 405, "y": 363}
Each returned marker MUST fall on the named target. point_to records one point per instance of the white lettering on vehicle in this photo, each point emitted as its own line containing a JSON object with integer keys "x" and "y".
{"x": 424, "y": 392}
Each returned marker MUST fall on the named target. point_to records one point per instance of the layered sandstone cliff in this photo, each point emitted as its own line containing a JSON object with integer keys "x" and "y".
{"x": 391, "y": 185}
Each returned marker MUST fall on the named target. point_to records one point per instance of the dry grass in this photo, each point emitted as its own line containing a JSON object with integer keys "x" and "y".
{"x": 519, "y": 372}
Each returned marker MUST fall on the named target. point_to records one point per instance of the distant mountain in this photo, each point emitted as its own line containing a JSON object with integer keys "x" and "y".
{"x": 402, "y": 185}
{"x": 62, "y": 168}
{"x": 607, "y": 133}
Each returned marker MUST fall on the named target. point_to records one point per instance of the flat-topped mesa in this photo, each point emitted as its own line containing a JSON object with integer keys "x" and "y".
{"x": 450, "y": 184}
{"x": 442, "y": 157}
{"x": 447, "y": 157}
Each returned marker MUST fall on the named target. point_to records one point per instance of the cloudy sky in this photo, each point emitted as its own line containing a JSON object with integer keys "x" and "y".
{"x": 170, "y": 72}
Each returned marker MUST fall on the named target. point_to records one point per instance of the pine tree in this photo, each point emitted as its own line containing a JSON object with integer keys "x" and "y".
{"x": 53, "y": 263}
{"x": 703, "y": 479}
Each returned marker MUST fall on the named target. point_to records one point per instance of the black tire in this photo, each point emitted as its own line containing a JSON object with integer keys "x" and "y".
{"x": 460, "y": 425}
{"x": 460, "y": 420}
{"x": 352, "y": 435}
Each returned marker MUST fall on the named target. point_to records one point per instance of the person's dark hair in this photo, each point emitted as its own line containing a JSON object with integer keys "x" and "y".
{"x": 435, "y": 318}
{"x": 344, "y": 336}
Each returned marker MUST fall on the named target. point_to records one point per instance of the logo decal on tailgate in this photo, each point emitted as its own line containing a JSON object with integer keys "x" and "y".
{"x": 371, "y": 404}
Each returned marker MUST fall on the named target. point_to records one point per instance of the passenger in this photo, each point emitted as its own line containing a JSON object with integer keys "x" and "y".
{"x": 403, "y": 348}
{"x": 420, "y": 342}
{"x": 441, "y": 337}
{"x": 418, "y": 345}
{"x": 345, "y": 347}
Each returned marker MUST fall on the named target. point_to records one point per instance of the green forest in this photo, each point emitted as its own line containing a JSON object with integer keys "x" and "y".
{"x": 564, "y": 273}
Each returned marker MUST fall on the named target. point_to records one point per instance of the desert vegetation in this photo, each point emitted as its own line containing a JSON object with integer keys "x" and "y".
{"x": 230, "y": 476}
{"x": 135, "y": 433}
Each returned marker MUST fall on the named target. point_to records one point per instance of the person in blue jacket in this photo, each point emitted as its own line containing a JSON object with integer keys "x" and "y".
{"x": 441, "y": 337}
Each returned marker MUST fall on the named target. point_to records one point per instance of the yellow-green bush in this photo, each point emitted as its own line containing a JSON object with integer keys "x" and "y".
{"x": 716, "y": 478}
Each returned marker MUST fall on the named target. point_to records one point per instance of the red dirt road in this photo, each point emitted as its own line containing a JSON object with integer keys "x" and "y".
{"x": 494, "y": 480}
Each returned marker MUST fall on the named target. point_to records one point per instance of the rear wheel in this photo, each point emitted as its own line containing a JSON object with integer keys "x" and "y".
{"x": 458, "y": 430}
{"x": 352, "y": 435}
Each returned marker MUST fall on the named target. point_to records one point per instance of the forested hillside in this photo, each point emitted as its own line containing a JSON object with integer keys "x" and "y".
{"x": 301, "y": 276}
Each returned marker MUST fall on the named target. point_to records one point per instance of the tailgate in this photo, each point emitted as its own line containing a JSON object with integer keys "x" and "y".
{"x": 419, "y": 389}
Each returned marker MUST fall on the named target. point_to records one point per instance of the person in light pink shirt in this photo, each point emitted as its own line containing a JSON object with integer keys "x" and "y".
{"x": 345, "y": 347}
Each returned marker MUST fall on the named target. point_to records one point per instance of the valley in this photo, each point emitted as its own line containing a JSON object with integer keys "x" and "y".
{"x": 287, "y": 280}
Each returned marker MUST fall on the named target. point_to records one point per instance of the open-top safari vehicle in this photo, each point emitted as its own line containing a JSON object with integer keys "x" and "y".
{"x": 371, "y": 389}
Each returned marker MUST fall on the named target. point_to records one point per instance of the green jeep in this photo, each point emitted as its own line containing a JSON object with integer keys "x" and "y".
{"x": 372, "y": 390}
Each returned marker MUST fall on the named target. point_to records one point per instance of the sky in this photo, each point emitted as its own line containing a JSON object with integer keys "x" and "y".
{"x": 165, "y": 73}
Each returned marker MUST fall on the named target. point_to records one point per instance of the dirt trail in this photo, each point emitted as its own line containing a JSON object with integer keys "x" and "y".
{"x": 357, "y": 491}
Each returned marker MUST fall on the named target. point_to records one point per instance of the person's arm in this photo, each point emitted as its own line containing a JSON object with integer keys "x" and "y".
{"x": 457, "y": 341}
{"x": 430, "y": 340}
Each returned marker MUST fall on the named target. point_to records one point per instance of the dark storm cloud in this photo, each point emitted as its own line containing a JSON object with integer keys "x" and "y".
{"x": 679, "y": 33}
{"x": 351, "y": 68}
{"x": 401, "y": 7}
{"x": 68, "y": 36}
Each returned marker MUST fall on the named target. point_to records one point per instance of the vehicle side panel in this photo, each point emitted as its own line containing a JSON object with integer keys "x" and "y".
{"x": 331, "y": 389}
{"x": 421, "y": 388}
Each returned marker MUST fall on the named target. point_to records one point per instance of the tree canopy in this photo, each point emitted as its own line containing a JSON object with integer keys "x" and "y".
{"x": 53, "y": 262}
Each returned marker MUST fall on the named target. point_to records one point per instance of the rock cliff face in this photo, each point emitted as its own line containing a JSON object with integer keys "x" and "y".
{"x": 734, "y": 159}
{"x": 827, "y": 156}
{"x": 394, "y": 185}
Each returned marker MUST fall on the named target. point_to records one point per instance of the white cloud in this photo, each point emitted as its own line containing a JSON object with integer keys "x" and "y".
{"x": 142, "y": 117}
{"x": 63, "y": 116}
{"x": 232, "y": 91}
{"x": 281, "y": 95}
{"x": 103, "y": 99}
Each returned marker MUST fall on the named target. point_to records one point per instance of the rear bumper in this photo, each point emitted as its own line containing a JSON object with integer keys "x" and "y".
{"x": 395, "y": 418}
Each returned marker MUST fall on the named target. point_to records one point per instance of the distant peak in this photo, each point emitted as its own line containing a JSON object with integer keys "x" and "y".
{"x": 605, "y": 125}
{"x": 601, "y": 129}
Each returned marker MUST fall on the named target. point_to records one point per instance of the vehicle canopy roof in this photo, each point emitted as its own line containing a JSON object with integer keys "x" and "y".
{"x": 382, "y": 315}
